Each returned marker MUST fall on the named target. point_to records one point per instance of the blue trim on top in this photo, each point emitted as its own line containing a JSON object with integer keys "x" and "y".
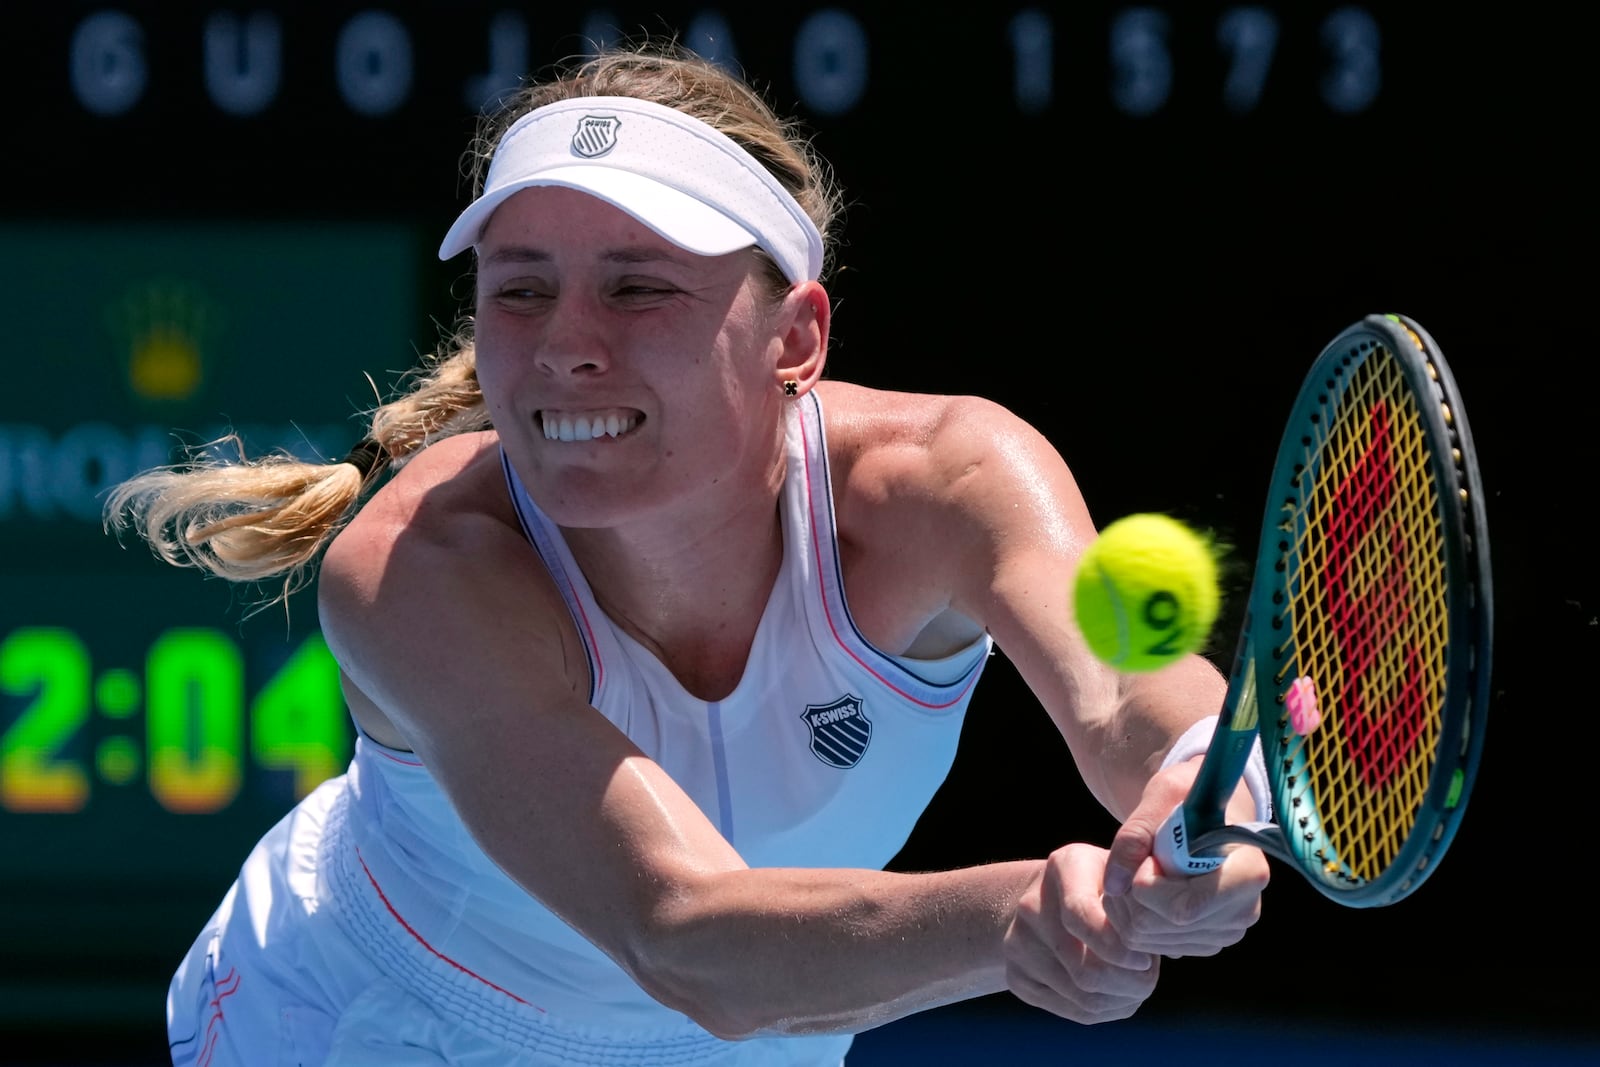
{"x": 719, "y": 760}
{"x": 534, "y": 531}
{"x": 894, "y": 663}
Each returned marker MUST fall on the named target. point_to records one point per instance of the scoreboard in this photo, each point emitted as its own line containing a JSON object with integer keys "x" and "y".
{"x": 151, "y": 722}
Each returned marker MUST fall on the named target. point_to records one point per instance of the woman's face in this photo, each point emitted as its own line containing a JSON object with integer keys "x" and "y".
{"x": 624, "y": 375}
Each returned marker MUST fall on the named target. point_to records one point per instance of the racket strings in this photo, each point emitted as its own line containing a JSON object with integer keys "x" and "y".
{"x": 1366, "y": 611}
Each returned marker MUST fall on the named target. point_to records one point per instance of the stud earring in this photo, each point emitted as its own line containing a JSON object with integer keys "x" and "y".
{"x": 791, "y": 387}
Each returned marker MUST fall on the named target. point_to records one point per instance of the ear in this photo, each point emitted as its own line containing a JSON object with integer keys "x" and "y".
{"x": 803, "y": 339}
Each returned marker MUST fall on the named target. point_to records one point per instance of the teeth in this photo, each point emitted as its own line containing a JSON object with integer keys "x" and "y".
{"x": 561, "y": 426}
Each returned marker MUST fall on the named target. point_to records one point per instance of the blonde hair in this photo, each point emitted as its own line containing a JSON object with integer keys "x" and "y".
{"x": 269, "y": 518}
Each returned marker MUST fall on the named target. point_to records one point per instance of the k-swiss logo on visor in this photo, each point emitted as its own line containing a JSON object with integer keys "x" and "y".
{"x": 840, "y": 732}
{"x": 596, "y": 135}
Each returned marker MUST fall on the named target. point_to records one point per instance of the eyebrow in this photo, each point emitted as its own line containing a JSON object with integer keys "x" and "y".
{"x": 625, "y": 255}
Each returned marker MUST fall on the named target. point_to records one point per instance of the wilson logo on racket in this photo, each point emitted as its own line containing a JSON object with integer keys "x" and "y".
{"x": 1368, "y": 583}
{"x": 840, "y": 732}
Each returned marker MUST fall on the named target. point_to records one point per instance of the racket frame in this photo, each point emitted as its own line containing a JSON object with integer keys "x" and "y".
{"x": 1192, "y": 840}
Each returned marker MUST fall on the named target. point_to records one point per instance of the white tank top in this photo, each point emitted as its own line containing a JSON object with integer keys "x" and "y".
{"x": 824, "y": 755}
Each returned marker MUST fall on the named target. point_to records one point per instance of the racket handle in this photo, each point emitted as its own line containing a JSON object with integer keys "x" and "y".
{"x": 1182, "y": 851}
{"x": 1172, "y": 848}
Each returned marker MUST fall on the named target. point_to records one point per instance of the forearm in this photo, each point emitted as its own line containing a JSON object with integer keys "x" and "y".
{"x": 741, "y": 951}
{"x": 786, "y": 950}
{"x": 1118, "y": 726}
{"x": 1126, "y": 744}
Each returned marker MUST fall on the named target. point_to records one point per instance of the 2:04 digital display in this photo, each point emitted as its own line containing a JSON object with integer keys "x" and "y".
{"x": 201, "y": 735}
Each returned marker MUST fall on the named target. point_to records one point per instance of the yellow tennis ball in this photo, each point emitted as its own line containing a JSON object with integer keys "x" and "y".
{"x": 1146, "y": 592}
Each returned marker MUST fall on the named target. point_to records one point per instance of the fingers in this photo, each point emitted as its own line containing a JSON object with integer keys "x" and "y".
{"x": 1178, "y": 914}
{"x": 1130, "y": 848}
{"x": 1093, "y": 957}
{"x": 1084, "y": 989}
{"x": 1135, "y": 840}
{"x": 1191, "y": 916}
{"x": 1072, "y": 893}
{"x": 1062, "y": 953}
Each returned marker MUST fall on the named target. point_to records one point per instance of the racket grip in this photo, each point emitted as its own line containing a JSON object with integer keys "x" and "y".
{"x": 1172, "y": 848}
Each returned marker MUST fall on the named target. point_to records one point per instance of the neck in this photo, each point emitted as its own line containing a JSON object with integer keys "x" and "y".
{"x": 690, "y": 581}
{"x": 694, "y": 600}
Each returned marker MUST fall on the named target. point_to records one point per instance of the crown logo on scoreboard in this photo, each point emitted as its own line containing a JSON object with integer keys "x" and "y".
{"x": 164, "y": 325}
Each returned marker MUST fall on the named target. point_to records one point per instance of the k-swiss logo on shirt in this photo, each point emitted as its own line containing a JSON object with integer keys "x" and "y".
{"x": 596, "y": 135}
{"x": 840, "y": 732}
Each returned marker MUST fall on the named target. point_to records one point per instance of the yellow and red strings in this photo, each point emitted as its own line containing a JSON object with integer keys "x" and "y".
{"x": 1368, "y": 618}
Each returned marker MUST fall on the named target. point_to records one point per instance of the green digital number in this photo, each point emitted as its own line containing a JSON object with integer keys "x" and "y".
{"x": 194, "y": 720}
{"x": 51, "y": 667}
{"x": 298, "y": 721}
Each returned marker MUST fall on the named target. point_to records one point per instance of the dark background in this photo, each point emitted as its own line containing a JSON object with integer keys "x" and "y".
{"x": 1147, "y": 289}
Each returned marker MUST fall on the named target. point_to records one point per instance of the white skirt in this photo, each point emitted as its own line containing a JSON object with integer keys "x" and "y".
{"x": 275, "y": 979}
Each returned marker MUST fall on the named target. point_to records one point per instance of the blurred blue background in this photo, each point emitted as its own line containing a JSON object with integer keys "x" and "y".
{"x": 1134, "y": 224}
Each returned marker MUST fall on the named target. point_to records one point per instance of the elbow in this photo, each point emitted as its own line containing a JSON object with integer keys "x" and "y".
{"x": 692, "y": 984}
{"x": 726, "y": 1027}
{"x": 711, "y": 1005}
{"x": 719, "y": 1016}
{"x": 680, "y": 964}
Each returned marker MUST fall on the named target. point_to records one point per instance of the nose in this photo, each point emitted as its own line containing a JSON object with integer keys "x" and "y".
{"x": 573, "y": 340}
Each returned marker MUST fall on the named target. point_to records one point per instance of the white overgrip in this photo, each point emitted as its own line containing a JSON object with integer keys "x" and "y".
{"x": 1173, "y": 838}
{"x": 1172, "y": 849}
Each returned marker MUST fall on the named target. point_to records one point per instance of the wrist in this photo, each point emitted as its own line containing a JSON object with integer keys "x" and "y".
{"x": 1197, "y": 739}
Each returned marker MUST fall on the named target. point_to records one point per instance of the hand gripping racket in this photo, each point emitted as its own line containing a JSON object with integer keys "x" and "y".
{"x": 1363, "y": 661}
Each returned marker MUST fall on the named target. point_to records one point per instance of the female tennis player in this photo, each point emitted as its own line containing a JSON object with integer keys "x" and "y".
{"x": 658, "y": 643}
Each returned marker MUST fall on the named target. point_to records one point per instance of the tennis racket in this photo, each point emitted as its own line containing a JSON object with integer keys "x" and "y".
{"x": 1363, "y": 660}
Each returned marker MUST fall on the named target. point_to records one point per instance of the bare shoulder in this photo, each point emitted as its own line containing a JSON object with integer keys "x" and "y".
{"x": 860, "y": 417}
{"x": 433, "y": 576}
{"x": 934, "y": 495}
{"x": 449, "y": 491}
{"x": 939, "y": 449}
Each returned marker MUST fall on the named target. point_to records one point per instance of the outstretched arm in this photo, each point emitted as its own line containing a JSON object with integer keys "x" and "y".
{"x": 1026, "y": 526}
{"x": 440, "y": 619}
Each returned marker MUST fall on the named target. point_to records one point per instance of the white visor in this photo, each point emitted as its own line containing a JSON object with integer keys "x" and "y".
{"x": 686, "y": 181}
